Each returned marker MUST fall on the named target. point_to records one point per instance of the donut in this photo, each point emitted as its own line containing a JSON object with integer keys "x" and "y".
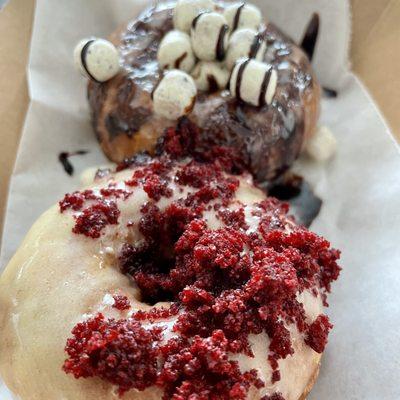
{"x": 166, "y": 280}
{"x": 267, "y": 137}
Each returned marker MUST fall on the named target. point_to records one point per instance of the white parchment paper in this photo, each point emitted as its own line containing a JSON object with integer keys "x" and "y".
{"x": 360, "y": 187}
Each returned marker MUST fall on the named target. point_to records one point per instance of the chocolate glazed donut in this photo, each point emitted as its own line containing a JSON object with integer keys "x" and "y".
{"x": 268, "y": 138}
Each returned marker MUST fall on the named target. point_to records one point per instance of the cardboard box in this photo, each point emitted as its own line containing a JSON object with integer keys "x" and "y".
{"x": 376, "y": 36}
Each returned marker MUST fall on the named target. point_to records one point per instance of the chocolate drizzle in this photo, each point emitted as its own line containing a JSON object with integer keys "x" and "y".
{"x": 179, "y": 60}
{"x": 255, "y": 47}
{"x": 236, "y": 20}
{"x": 63, "y": 157}
{"x": 264, "y": 87}
{"x": 220, "y": 50}
{"x": 239, "y": 79}
{"x": 311, "y": 36}
{"x": 84, "y": 52}
{"x": 331, "y": 93}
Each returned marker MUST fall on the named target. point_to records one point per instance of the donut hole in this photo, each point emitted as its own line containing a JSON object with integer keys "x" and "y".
{"x": 157, "y": 267}
{"x": 150, "y": 261}
{"x": 149, "y": 266}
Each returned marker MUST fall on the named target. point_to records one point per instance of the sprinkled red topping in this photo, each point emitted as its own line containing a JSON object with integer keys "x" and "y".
{"x": 154, "y": 180}
{"x": 317, "y": 335}
{"x": 121, "y": 302}
{"x": 275, "y": 396}
{"x": 76, "y": 200}
{"x": 101, "y": 211}
{"x": 233, "y": 218}
{"x": 95, "y": 218}
{"x": 224, "y": 284}
{"x": 156, "y": 313}
{"x": 186, "y": 140}
{"x": 120, "y": 352}
{"x": 202, "y": 370}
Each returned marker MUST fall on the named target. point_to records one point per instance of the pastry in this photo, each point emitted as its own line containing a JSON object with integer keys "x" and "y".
{"x": 166, "y": 280}
{"x": 175, "y": 276}
{"x": 266, "y": 135}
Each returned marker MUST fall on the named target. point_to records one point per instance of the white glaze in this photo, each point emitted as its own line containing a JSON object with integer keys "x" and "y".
{"x": 57, "y": 279}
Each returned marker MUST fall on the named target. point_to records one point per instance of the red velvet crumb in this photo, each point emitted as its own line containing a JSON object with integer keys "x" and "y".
{"x": 121, "y": 352}
{"x": 95, "y": 218}
{"x": 95, "y": 211}
{"x": 76, "y": 200}
{"x": 202, "y": 370}
{"x": 317, "y": 335}
{"x": 275, "y": 396}
{"x": 154, "y": 179}
{"x": 121, "y": 302}
{"x": 186, "y": 140}
{"x": 222, "y": 284}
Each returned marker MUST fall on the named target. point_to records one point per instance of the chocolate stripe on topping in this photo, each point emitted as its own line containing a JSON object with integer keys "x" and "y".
{"x": 220, "y": 50}
{"x": 239, "y": 79}
{"x": 237, "y": 17}
{"x": 264, "y": 87}
{"x": 84, "y": 51}
{"x": 255, "y": 47}
{"x": 179, "y": 60}
{"x": 155, "y": 87}
{"x": 212, "y": 84}
{"x": 196, "y": 20}
{"x": 311, "y": 36}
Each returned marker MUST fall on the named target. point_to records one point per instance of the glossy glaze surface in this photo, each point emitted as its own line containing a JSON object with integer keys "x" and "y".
{"x": 58, "y": 278}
